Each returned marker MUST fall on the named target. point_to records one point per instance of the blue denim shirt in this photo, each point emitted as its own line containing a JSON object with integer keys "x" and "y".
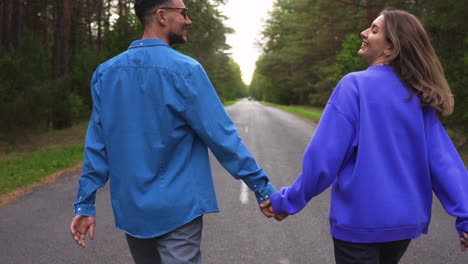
{"x": 155, "y": 113}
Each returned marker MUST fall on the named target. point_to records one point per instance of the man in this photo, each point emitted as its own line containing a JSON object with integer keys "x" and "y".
{"x": 155, "y": 113}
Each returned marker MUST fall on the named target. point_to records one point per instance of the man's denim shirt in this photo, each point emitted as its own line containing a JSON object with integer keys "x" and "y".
{"x": 155, "y": 112}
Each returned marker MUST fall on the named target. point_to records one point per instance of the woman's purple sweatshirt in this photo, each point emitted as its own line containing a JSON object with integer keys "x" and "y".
{"x": 383, "y": 154}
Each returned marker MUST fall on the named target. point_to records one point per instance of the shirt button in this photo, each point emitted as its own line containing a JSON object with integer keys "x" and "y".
{"x": 79, "y": 209}
{"x": 266, "y": 196}
{"x": 141, "y": 43}
{"x": 261, "y": 198}
{"x": 255, "y": 186}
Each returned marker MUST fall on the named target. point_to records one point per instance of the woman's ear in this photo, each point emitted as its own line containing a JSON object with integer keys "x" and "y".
{"x": 389, "y": 50}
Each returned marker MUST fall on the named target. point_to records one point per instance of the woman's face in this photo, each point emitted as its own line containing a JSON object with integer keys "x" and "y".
{"x": 375, "y": 48}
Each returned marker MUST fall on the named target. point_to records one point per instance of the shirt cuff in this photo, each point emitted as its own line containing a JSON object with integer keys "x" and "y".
{"x": 262, "y": 193}
{"x": 84, "y": 209}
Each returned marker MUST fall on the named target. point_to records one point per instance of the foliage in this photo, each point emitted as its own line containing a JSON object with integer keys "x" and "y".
{"x": 308, "y": 45}
{"x": 36, "y": 93}
{"x": 302, "y": 38}
{"x": 22, "y": 71}
{"x": 444, "y": 22}
{"x": 347, "y": 59}
{"x": 207, "y": 43}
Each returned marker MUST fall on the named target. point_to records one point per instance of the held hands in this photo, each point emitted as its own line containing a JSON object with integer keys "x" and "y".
{"x": 464, "y": 241}
{"x": 80, "y": 225}
{"x": 267, "y": 210}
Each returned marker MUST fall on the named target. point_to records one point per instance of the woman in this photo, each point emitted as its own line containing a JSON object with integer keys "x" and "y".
{"x": 383, "y": 149}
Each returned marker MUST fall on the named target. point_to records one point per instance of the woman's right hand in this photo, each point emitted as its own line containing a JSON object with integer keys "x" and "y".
{"x": 464, "y": 241}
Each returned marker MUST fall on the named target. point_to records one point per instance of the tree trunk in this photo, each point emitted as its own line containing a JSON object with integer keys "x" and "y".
{"x": 100, "y": 11}
{"x": 17, "y": 21}
{"x": 75, "y": 27}
{"x": 45, "y": 22}
{"x": 108, "y": 14}
{"x": 6, "y": 23}
{"x": 60, "y": 63}
{"x": 124, "y": 26}
{"x": 369, "y": 12}
{"x": 61, "y": 51}
{"x": 89, "y": 21}
{"x": 121, "y": 8}
{"x": 2, "y": 4}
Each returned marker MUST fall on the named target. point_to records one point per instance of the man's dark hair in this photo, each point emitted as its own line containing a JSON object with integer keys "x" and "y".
{"x": 144, "y": 9}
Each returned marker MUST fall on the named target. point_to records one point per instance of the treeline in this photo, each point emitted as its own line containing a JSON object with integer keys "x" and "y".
{"x": 308, "y": 45}
{"x": 50, "y": 48}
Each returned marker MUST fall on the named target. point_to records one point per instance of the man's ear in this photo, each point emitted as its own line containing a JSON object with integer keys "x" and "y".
{"x": 160, "y": 18}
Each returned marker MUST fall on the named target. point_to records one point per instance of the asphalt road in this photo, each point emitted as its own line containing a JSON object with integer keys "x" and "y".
{"x": 34, "y": 228}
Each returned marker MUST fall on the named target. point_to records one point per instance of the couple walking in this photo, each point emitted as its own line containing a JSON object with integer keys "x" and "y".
{"x": 379, "y": 144}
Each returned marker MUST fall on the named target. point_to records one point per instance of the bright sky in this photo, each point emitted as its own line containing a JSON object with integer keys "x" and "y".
{"x": 247, "y": 18}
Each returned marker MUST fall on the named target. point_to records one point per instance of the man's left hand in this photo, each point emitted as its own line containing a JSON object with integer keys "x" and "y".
{"x": 80, "y": 226}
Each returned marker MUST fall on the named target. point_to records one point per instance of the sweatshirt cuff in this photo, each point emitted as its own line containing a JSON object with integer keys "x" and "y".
{"x": 276, "y": 202}
{"x": 462, "y": 228}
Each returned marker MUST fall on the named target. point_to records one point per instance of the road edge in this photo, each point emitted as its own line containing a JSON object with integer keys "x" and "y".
{"x": 13, "y": 195}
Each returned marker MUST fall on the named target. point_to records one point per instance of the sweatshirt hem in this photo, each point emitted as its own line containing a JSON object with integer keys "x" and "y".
{"x": 376, "y": 235}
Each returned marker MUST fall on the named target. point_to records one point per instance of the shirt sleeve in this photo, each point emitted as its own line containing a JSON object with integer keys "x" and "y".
{"x": 323, "y": 158}
{"x": 95, "y": 167}
{"x": 448, "y": 173}
{"x": 206, "y": 115}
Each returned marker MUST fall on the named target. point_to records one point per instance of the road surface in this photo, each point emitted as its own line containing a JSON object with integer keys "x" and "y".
{"x": 34, "y": 228}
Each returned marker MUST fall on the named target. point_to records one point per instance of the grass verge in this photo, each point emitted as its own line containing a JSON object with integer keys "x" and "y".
{"x": 29, "y": 168}
{"x": 311, "y": 113}
{"x": 231, "y": 102}
{"x": 28, "y": 160}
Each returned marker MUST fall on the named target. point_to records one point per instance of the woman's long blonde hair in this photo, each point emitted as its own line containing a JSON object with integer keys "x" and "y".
{"x": 415, "y": 60}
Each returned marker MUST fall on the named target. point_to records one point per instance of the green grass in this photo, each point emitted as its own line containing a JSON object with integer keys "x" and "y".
{"x": 31, "y": 157}
{"x": 231, "y": 102}
{"x": 28, "y": 168}
{"x": 311, "y": 113}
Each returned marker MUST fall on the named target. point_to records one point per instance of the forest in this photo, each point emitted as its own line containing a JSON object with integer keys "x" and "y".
{"x": 309, "y": 45}
{"x": 49, "y": 50}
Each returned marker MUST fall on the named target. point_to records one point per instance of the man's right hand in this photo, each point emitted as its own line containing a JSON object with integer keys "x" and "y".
{"x": 80, "y": 226}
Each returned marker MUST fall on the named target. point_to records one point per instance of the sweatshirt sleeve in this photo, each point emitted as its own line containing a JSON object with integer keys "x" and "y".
{"x": 207, "y": 117}
{"x": 323, "y": 158}
{"x": 333, "y": 143}
{"x": 448, "y": 173}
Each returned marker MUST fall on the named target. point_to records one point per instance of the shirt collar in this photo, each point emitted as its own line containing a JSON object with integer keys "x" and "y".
{"x": 147, "y": 42}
